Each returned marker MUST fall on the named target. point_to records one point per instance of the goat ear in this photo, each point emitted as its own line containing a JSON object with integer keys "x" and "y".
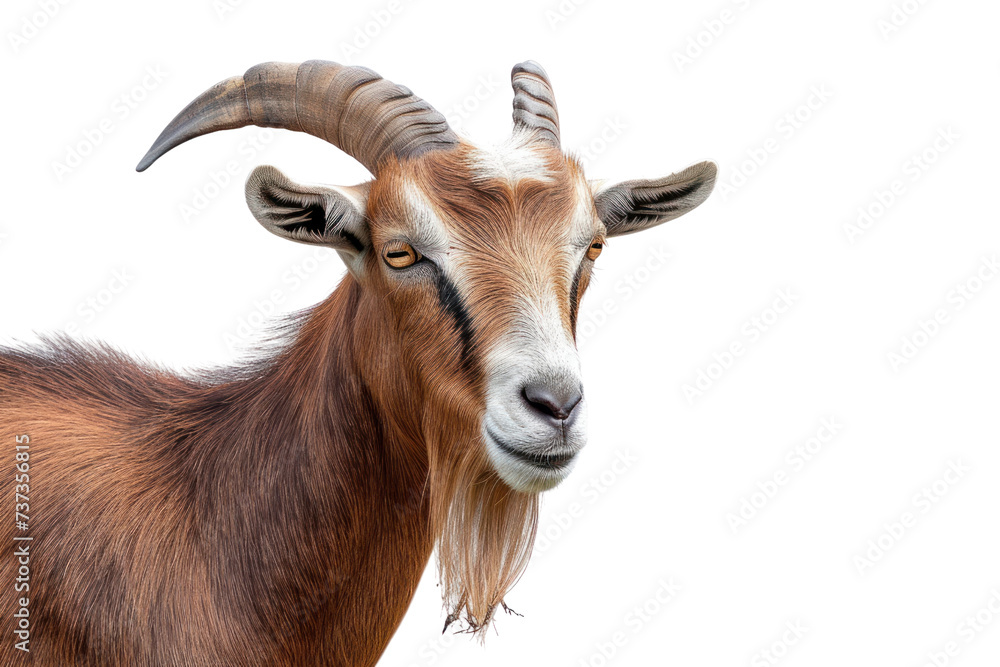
{"x": 314, "y": 214}
{"x": 632, "y": 206}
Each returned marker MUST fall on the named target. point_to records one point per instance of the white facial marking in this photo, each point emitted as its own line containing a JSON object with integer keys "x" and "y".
{"x": 430, "y": 235}
{"x": 538, "y": 350}
{"x": 511, "y": 161}
{"x": 585, "y": 222}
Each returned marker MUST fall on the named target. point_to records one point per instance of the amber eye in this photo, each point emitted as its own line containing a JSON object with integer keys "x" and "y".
{"x": 400, "y": 255}
{"x": 594, "y": 251}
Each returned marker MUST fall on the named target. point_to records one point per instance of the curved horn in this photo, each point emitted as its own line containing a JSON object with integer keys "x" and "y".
{"x": 353, "y": 108}
{"x": 534, "y": 102}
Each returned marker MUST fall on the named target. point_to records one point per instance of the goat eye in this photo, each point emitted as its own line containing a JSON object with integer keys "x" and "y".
{"x": 400, "y": 255}
{"x": 594, "y": 251}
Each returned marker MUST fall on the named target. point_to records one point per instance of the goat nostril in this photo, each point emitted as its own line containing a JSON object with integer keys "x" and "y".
{"x": 557, "y": 404}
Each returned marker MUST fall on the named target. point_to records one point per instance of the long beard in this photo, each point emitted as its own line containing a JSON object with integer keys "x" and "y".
{"x": 485, "y": 533}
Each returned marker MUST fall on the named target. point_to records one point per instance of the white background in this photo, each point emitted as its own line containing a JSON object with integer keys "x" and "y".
{"x": 685, "y": 462}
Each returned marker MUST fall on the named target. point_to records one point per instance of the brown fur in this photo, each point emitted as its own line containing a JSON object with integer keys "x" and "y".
{"x": 282, "y": 513}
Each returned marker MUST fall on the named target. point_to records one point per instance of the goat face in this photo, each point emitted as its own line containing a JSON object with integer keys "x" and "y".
{"x": 504, "y": 242}
{"x": 475, "y": 259}
{"x": 479, "y": 259}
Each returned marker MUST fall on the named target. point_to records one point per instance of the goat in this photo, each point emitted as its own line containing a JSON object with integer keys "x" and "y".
{"x": 282, "y": 512}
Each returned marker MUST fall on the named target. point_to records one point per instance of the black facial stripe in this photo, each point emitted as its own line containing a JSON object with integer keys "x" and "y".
{"x": 452, "y": 303}
{"x": 574, "y": 299}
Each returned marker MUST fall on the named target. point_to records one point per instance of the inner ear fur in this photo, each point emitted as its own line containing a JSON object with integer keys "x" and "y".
{"x": 314, "y": 214}
{"x": 632, "y": 206}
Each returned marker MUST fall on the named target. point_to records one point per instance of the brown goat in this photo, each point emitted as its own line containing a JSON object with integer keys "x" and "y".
{"x": 281, "y": 513}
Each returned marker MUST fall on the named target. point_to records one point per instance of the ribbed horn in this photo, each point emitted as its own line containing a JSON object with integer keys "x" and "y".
{"x": 534, "y": 102}
{"x": 353, "y": 108}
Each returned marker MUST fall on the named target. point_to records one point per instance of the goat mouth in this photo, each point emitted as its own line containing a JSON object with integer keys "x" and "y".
{"x": 546, "y": 461}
